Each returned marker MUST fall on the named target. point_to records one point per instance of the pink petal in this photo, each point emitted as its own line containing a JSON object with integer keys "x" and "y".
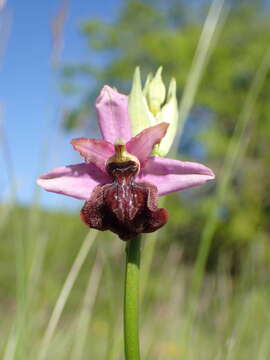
{"x": 172, "y": 175}
{"x": 94, "y": 151}
{"x": 142, "y": 144}
{"x": 77, "y": 180}
{"x": 113, "y": 118}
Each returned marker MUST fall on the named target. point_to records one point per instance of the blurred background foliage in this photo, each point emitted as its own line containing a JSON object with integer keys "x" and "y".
{"x": 61, "y": 290}
{"x": 153, "y": 33}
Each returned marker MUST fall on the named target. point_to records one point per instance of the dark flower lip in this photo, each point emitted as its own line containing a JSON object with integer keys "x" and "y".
{"x": 124, "y": 206}
{"x": 127, "y": 212}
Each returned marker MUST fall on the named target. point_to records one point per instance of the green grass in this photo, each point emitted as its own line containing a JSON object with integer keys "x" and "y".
{"x": 232, "y": 321}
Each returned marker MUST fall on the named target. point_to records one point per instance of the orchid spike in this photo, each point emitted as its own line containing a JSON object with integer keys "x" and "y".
{"x": 120, "y": 180}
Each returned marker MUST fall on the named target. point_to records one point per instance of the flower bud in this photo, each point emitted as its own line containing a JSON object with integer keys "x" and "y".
{"x": 156, "y": 92}
{"x": 146, "y": 85}
{"x": 147, "y": 107}
{"x": 137, "y": 106}
{"x": 169, "y": 114}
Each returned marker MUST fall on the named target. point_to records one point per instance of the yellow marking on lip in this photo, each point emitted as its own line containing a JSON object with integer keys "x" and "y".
{"x": 121, "y": 154}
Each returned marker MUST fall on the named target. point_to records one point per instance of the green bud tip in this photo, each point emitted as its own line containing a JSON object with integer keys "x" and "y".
{"x": 156, "y": 93}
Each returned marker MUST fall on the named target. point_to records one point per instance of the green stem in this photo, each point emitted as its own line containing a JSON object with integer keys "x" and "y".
{"x": 131, "y": 300}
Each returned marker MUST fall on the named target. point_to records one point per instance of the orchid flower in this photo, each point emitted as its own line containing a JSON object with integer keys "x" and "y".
{"x": 120, "y": 180}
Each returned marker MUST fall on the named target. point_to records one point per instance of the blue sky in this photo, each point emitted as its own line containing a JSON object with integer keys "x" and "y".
{"x": 29, "y": 89}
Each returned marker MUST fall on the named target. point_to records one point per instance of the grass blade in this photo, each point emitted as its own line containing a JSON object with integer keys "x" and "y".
{"x": 65, "y": 292}
{"x": 87, "y": 307}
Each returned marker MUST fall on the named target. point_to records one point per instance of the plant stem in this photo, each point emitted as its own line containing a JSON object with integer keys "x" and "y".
{"x": 131, "y": 300}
